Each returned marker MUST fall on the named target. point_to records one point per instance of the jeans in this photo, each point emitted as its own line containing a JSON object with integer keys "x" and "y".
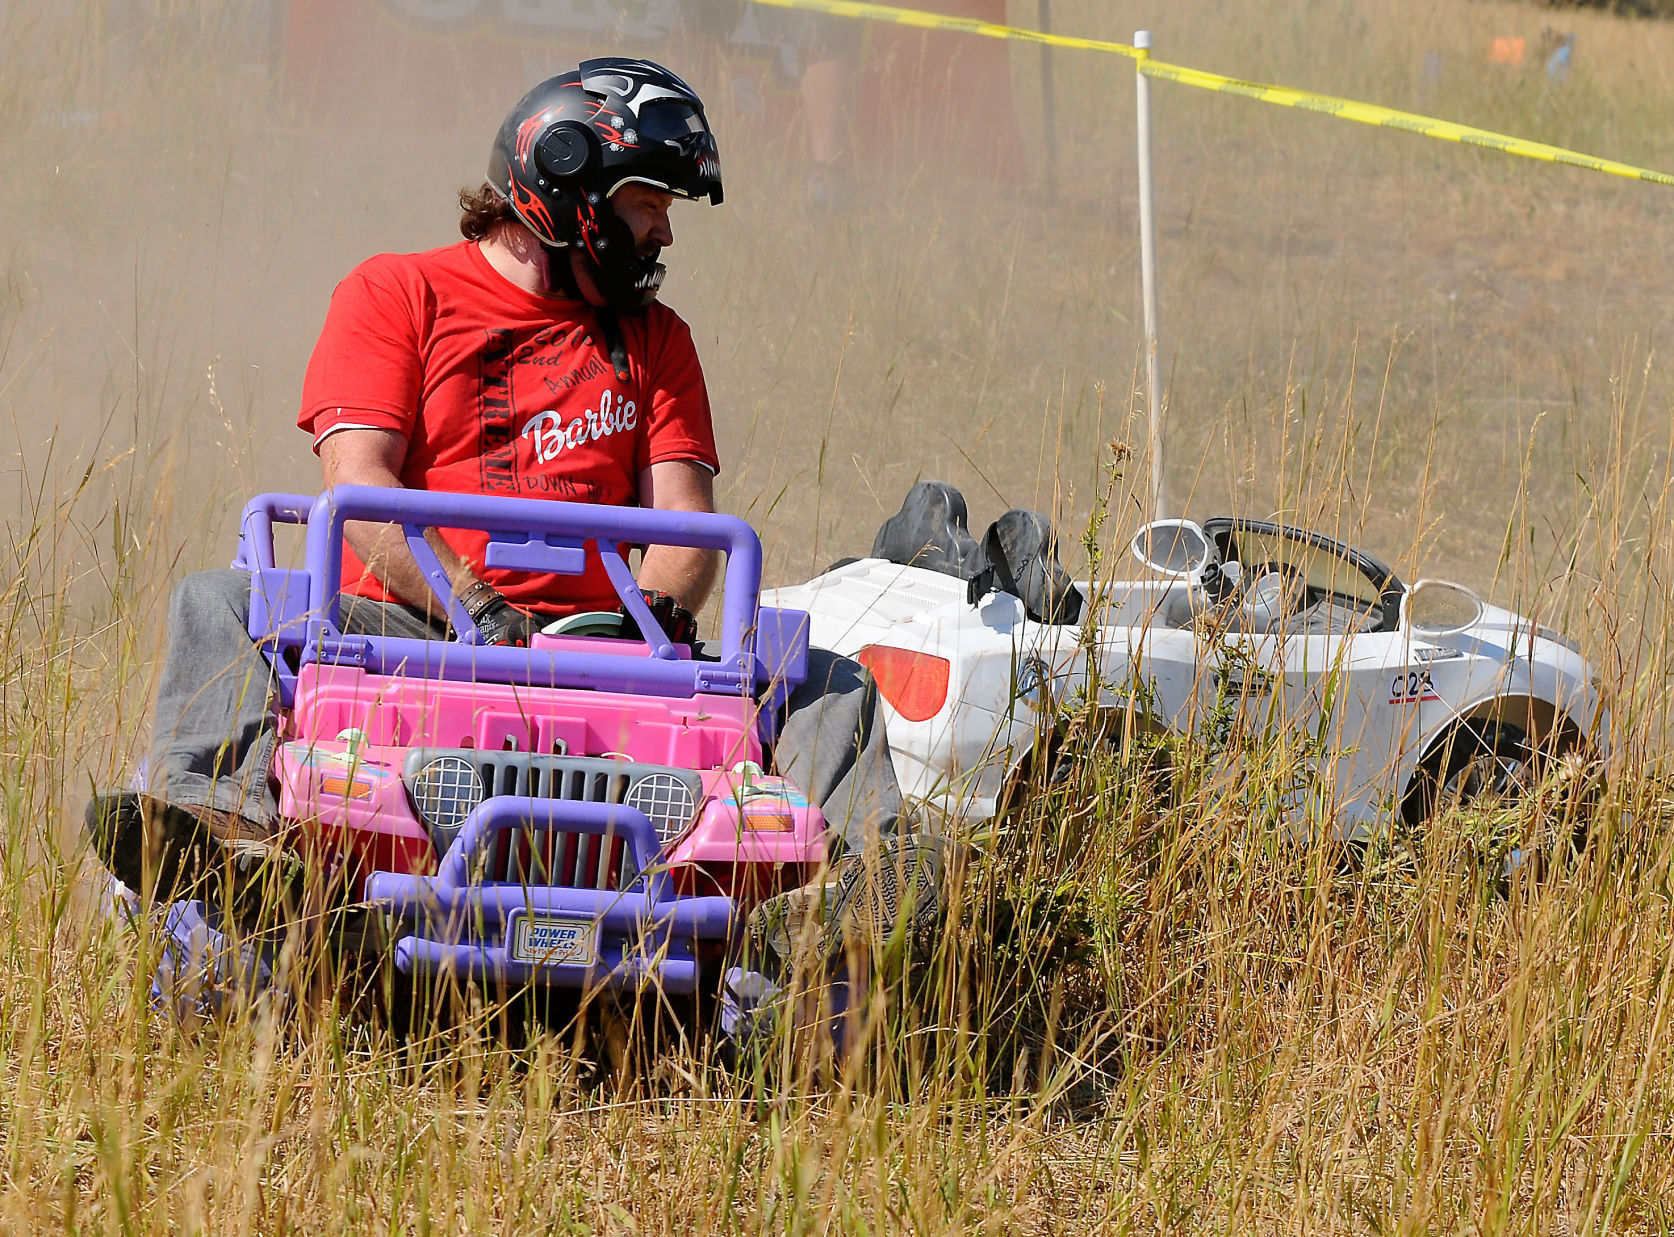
{"x": 213, "y": 731}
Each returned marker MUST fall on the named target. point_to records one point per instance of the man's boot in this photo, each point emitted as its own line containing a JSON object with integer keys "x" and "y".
{"x": 161, "y": 850}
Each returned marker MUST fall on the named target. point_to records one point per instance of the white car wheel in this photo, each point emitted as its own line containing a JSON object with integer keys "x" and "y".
{"x": 1493, "y": 765}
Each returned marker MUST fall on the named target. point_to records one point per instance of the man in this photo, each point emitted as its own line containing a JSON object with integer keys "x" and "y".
{"x": 532, "y": 358}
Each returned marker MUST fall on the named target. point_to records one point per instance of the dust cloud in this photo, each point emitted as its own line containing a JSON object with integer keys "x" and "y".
{"x": 1414, "y": 345}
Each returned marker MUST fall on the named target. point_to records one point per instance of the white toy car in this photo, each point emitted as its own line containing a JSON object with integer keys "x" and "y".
{"x": 1406, "y": 692}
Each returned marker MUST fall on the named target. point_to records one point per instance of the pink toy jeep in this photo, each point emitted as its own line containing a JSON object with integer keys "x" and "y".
{"x": 589, "y": 812}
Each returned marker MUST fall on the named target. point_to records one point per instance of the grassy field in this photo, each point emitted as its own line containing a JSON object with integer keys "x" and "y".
{"x": 1156, "y": 1015}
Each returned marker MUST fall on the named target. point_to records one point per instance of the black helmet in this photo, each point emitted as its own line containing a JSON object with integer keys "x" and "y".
{"x": 576, "y": 138}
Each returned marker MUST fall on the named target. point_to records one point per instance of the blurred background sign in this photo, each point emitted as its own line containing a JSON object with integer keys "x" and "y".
{"x": 839, "y": 91}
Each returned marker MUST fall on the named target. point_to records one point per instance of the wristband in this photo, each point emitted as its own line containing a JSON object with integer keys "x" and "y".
{"x": 478, "y": 598}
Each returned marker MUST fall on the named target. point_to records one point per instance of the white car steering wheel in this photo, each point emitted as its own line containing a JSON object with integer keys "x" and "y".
{"x": 1269, "y": 595}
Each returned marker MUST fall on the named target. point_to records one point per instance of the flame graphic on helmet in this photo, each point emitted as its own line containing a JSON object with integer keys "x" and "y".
{"x": 587, "y": 224}
{"x": 533, "y": 212}
{"x": 526, "y": 135}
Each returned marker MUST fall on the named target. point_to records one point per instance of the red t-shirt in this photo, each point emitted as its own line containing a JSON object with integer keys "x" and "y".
{"x": 500, "y": 391}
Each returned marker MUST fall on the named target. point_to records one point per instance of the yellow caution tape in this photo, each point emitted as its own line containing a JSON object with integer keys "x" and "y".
{"x": 1389, "y": 118}
{"x": 1283, "y": 96}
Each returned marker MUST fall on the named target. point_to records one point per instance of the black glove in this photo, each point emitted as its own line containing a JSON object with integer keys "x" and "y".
{"x": 497, "y": 620}
{"x": 675, "y": 620}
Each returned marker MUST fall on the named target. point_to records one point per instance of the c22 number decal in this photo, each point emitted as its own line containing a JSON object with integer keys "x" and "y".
{"x": 1412, "y": 687}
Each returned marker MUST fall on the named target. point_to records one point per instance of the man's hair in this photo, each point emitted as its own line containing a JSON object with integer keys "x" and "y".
{"x": 481, "y": 211}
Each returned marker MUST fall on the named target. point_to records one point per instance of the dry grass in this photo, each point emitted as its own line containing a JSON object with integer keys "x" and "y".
{"x": 1159, "y": 1016}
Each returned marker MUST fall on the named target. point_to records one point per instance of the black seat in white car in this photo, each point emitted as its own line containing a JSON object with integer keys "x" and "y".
{"x": 1017, "y": 555}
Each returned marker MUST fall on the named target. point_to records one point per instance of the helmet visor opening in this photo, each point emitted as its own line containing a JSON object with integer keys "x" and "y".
{"x": 669, "y": 120}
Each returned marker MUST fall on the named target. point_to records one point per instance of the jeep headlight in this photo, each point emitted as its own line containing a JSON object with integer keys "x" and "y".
{"x": 666, "y": 799}
{"x": 445, "y": 790}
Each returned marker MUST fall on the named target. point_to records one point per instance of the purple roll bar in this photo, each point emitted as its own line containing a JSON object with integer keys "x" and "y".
{"x": 255, "y": 527}
{"x": 301, "y": 609}
{"x": 609, "y": 527}
{"x": 645, "y": 933}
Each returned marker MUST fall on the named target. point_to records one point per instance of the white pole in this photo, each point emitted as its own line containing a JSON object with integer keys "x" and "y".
{"x": 1148, "y": 274}
{"x": 1049, "y": 104}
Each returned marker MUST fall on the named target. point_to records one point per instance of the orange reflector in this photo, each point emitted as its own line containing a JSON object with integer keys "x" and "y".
{"x": 915, "y": 684}
{"x": 772, "y": 818}
{"x": 346, "y": 787}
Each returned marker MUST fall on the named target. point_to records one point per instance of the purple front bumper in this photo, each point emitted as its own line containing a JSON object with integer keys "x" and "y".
{"x": 642, "y": 935}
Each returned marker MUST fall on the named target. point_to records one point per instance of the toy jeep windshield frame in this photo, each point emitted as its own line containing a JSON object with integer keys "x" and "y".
{"x": 300, "y": 609}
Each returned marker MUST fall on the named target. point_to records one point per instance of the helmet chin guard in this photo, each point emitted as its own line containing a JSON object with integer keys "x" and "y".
{"x": 575, "y": 139}
{"x": 627, "y": 279}
{"x": 626, "y": 287}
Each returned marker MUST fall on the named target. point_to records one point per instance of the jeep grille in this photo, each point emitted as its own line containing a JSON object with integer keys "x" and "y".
{"x": 667, "y": 795}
